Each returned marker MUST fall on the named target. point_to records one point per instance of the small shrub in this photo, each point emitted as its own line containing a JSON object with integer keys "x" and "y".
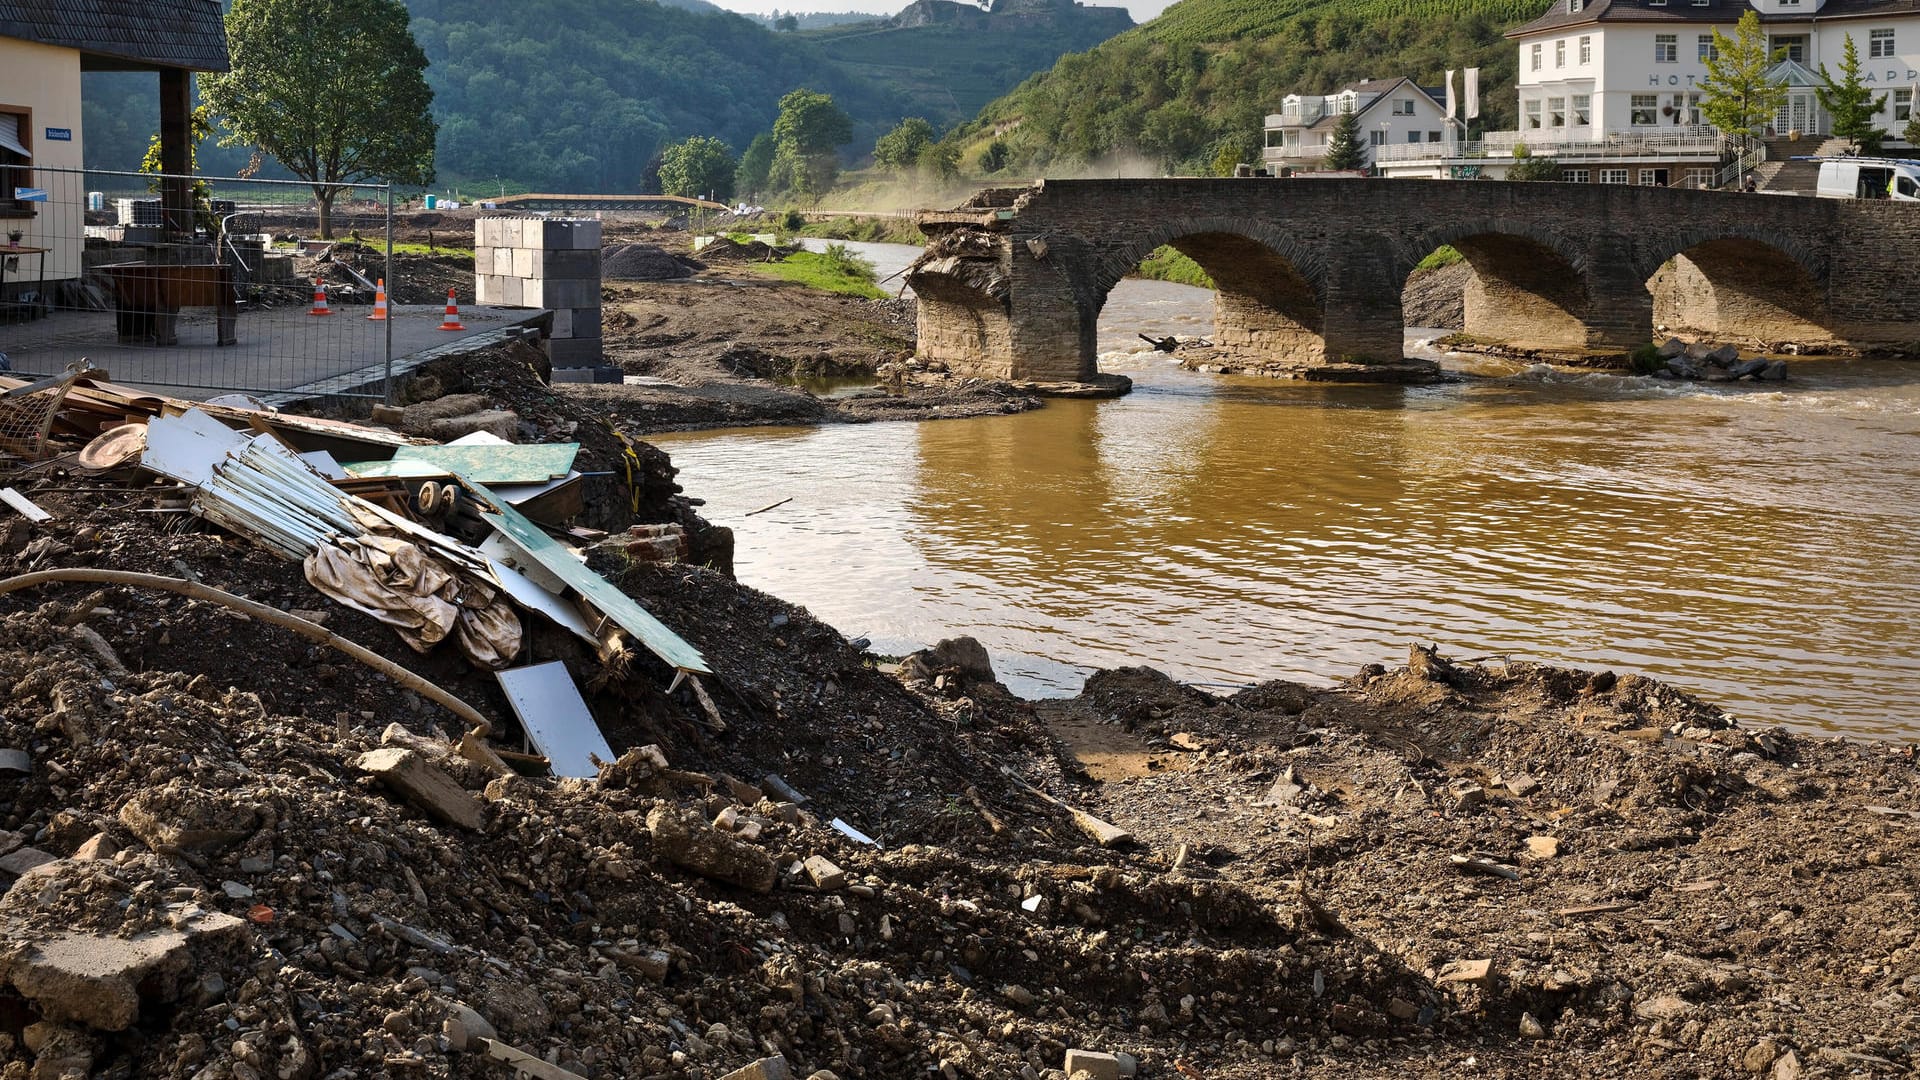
{"x": 1645, "y": 359}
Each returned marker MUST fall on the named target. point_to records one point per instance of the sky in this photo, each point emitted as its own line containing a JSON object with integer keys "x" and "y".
{"x": 1141, "y": 10}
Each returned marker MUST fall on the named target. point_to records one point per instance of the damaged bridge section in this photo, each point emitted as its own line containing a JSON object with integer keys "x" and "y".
{"x": 1309, "y": 273}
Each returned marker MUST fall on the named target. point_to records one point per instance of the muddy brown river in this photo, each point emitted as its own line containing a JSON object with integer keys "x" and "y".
{"x": 1759, "y": 545}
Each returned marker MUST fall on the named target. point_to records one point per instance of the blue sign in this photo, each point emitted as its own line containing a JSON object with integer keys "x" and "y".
{"x": 30, "y": 194}
{"x": 59, "y": 134}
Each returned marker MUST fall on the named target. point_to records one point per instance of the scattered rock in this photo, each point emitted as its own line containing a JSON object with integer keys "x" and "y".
{"x": 99, "y": 980}
{"x": 428, "y": 787}
{"x": 1543, "y": 847}
{"x": 464, "y": 1024}
{"x": 1663, "y": 1007}
{"x": 824, "y": 874}
{"x": 1096, "y": 1065}
{"x": 772, "y": 1068}
{"x": 709, "y": 853}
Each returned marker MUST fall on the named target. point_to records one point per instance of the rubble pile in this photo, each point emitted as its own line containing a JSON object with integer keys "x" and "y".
{"x": 250, "y": 830}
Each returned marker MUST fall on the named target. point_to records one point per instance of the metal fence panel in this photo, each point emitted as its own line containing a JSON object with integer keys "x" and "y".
{"x": 172, "y": 283}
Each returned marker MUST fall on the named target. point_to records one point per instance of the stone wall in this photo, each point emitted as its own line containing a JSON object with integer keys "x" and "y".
{"x": 1311, "y": 271}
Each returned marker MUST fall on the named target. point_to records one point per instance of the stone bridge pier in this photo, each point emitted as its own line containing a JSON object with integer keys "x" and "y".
{"x": 1309, "y": 273}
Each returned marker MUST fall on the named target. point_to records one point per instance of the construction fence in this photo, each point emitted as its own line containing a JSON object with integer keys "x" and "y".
{"x": 195, "y": 285}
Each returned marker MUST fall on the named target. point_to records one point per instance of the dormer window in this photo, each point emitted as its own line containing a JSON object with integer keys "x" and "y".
{"x": 1574, "y": 6}
{"x": 1656, "y": 3}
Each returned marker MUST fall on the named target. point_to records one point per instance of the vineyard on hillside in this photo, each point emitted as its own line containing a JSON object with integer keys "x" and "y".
{"x": 1187, "y": 92}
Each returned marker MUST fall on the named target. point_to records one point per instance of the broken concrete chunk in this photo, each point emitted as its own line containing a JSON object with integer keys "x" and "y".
{"x": 424, "y": 784}
{"x": 1522, "y": 786}
{"x": 708, "y": 852}
{"x": 1186, "y": 740}
{"x": 773, "y": 1068}
{"x": 463, "y": 1025}
{"x": 1664, "y": 1007}
{"x": 825, "y": 874}
{"x": 1100, "y": 832}
{"x": 184, "y": 820}
{"x": 101, "y": 846}
{"x": 1543, "y": 847}
{"x": 501, "y": 423}
{"x": 1467, "y": 971}
{"x": 24, "y": 860}
{"x": 1096, "y": 1065}
{"x": 100, "y": 981}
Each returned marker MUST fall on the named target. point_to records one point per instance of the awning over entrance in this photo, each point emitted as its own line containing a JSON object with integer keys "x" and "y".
{"x": 1794, "y": 74}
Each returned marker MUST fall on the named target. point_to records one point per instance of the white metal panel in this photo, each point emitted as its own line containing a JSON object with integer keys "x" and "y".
{"x": 555, "y": 718}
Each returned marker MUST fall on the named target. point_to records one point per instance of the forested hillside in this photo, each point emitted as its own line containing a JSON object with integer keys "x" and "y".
{"x": 947, "y": 60}
{"x": 582, "y": 94}
{"x": 1189, "y": 89}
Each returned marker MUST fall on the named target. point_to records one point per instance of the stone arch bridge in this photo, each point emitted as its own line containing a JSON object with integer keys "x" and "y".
{"x": 1310, "y": 272}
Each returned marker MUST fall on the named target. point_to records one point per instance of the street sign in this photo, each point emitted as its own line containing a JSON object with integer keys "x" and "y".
{"x": 59, "y": 134}
{"x": 29, "y": 194}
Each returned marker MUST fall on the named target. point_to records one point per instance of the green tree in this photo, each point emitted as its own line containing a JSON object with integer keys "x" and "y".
{"x": 1172, "y": 133}
{"x": 1912, "y": 131}
{"x": 199, "y": 129}
{"x": 335, "y": 90}
{"x": 900, "y": 148}
{"x": 1739, "y": 95}
{"x": 994, "y": 157}
{"x": 756, "y": 164}
{"x": 787, "y": 23}
{"x": 699, "y": 167}
{"x": 805, "y": 136}
{"x": 1344, "y": 151}
{"x": 940, "y": 160}
{"x": 1852, "y": 106}
{"x": 1534, "y": 168}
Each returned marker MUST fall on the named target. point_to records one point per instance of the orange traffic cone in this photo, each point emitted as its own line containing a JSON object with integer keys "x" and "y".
{"x": 379, "y": 302}
{"x": 319, "y": 298}
{"x": 452, "y": 321}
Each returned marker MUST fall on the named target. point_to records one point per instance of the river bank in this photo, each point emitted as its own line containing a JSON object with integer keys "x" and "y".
{"x": 1493, "y": 868}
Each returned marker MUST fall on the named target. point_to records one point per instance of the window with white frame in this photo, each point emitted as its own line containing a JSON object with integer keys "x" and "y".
{"x": 1413, "y": 136}
{"x": 1903, "y": 105}
{"x": 1575, "y": 5}
{"x": 1791, "y": 46}
{"x": 1666, "y": 48}
{"x": 1534, "y": 56}
{"x": 1707, "y": 49}
{"x": 1377, "y": 138}
{"x": 1613, "y": 176}
{"x": 1700, "y": 178}
{"x": 1880, "y": 43}
{"x": 1403, "y": 106}
{"x": 1530, "y": 115}
{"x": 1644, "y": 110}
{"x": 1693, "y": 109}
{"x": 1656, "y": 3}
{"x": 1556, "y": 112}
{"x": 1653, "y": 178}
{"x": 1701, "y": 3}
{"x": 1789, "y": 3}
{"x": 1586, "y": 50}
{"x": 1576, "y": 176}
{"x": 1560, "y": 53}
{"x": 1582, "y": 110}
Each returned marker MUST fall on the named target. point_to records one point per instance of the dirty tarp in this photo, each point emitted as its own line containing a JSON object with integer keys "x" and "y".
{"x": 400, "y": 585}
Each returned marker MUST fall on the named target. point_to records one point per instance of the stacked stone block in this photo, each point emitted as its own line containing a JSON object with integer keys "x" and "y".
{"x": 544, "y": 263}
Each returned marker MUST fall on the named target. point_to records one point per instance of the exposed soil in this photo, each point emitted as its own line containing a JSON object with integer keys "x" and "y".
{"x": 1437, "y": 298}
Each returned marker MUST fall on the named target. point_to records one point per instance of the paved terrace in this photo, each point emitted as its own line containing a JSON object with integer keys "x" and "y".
{"x": 283, "y": 353}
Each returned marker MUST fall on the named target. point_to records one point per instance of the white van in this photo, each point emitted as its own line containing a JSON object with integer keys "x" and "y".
{"x": 1869, "y": 178}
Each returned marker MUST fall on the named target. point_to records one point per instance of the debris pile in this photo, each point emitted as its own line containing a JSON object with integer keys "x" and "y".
{"x": 645, "y": 262}
{"x": 250, "y": 828}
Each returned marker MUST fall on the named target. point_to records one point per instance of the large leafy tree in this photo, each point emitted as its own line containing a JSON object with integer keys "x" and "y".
{"x": 900, "y": 149}
{"x": 335, "y": 90}
{"x": 1853, "y": 106}
{"x": 806, "y": 134}
{"x": 1344, "y": 150}
{"x": 1739, "y": 96}
{"x": 699, "y": 167}
{"x": 756, "y": 166}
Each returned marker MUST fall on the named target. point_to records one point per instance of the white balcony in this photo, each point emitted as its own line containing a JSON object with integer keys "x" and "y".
{"x": 1702, "y": 143}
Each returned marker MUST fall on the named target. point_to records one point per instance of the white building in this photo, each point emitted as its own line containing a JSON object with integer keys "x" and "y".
{"x": 1393, "y": 112}
{"x": 1611, "y": 88}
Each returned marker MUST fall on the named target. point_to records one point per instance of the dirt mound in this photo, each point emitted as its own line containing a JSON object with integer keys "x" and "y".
{"x": 645, "y": 262}
{"x": 728, "y": 250}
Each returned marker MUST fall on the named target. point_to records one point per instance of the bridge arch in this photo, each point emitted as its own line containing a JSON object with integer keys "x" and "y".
{"x": 1529, "y": 286}
{"x": 1269, "y": 289}
{"x": 1739, "y": 285}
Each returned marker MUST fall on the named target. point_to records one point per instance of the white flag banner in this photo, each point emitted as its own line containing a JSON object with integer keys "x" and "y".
{"x": 1473, "y": 92}
{"x": 1449, "y": 93}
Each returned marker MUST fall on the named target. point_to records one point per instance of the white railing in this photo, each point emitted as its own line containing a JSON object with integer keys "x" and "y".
{"x": 1701, "y": 143}
{"x": 1741, "y": 165}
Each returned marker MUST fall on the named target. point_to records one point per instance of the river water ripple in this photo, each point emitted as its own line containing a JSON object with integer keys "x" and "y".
{"x": 1758, "y": 545}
